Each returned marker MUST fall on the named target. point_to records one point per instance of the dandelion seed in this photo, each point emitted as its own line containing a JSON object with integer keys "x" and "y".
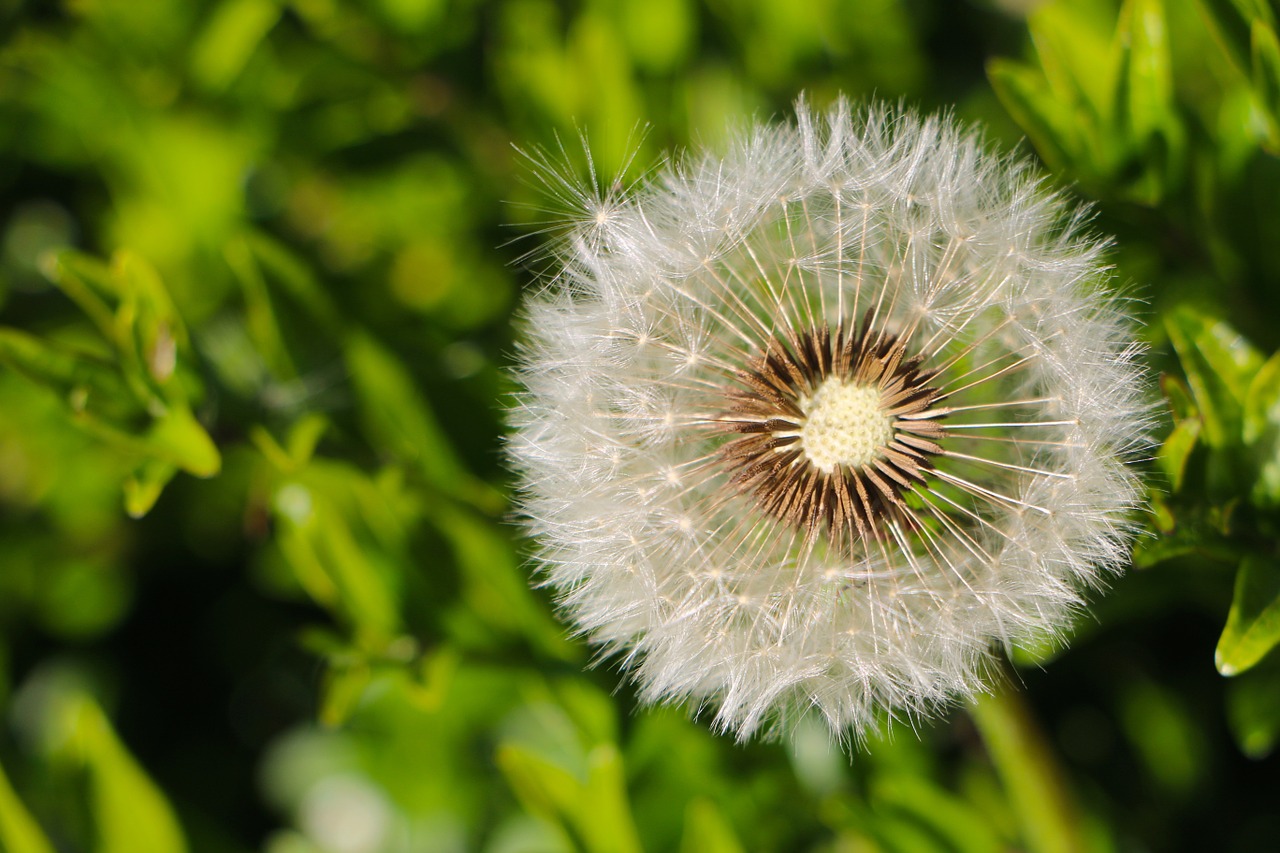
{"x": 816, "y": 425}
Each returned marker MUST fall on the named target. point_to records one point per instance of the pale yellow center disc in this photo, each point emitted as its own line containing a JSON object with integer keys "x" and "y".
{"x": 844, "y": 425}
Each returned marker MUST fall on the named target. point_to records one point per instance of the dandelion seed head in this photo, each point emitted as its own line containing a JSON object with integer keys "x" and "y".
{"x": 816, "y": 424}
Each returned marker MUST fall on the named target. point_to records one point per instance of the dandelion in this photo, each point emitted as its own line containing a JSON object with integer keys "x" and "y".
{"x": 821, "y": 424}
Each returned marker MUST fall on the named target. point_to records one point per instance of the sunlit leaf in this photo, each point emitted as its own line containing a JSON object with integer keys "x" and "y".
{"x": 605, "y": 809}
{"x": 1262, "y": 430}
{"x": 338, "y": 568}
{"x": 1176, "y": 449}
{"x": 706, "y": 830}
{"x": 658, "y": 33}
{"x": 1145, "y": 127}
{"x": 1073, "y": 42}
{"x": 1219, "y": 365}
{"x": 19, "y": 832}
{"x": 1266, "y": 77}
{"x": 1026, "y": 95}
{"x": 1181, "y": 403}
{"x": 1230, "y": 29}
{"x": 179, "y": 438}
{"x": 960, "y": 824}
{"x": 131, "y": 814}
{"x": 593, "y": 810}
{"x": 541, "y": 786}
{"x": 143, "y": 488}
{"x": 229, "y": 39}
{"x": 343, "y": 686}
{"x": 1253, "y": 624}
{"x": 1145, "y": 78}
{"x": 89, "y": 387}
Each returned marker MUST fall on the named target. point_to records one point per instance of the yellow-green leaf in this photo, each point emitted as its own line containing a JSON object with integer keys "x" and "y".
{"x": 543, "y": 787}
{"x": 344, "y": 686}
{"x": 19, "y": 832}
{"x": 229, "y": 39}
{"x": 179, "y": 438}
{"x": 604, "y": 810}
{"x": 1253, "y": 624}
{"x": 707, "y": 831}
{"x": 1179, "y": 396}
{"x": 1262, "y": 431}
{"x": 1177, "y": 449}
{"x": 1266, "y": 78}
{"x": 1219, "y": 364}
{"x": 89, "y": 387}
{"x": 1026, "y": 95}
{"x": 593, "y": 811}
{"x": 950, "y": 818}
{"x": 130, "y": 813}
{"x": 143, "y": 488}
{"x": 1144, "y": 84}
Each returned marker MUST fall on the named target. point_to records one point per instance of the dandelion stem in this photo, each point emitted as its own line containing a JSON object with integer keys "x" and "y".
{"x": 1033, "y": 781}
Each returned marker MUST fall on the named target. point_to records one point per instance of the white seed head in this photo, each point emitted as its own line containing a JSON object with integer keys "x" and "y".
{"x": 815, "y": 424}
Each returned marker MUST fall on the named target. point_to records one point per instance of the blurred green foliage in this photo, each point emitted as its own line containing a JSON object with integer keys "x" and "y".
{"x": 257, "y": 585}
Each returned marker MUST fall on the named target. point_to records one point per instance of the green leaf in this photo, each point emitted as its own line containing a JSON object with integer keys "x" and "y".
{"x": 131, "y": 815}
{"x": 396, "y": 417}
{"x": 1176, "y": 449}
{"x": 1253, "y": 710}
{"x": 961, "y": 825}
{"x": 706, "y": 830}
{"x": 1219, "y": 365}
{"x": 150, "y": 332}
{"x": 1145, "y": 134}
{"x": 131, "y": 403}
{"x": 1230, "y": 28}
{"x": 1074, "y": 44}
{"x": 1266, "y": 78}
{"x": 593, "y": 811}
{"x": 143, "y": 488}
{"x": 1144, "y": 82}
{"x": 336, "y": 567}
{"x": 178, "y": 437}
{"x": 542, "y": 786}
{"x": 344, "y": 685}
{"x": 232, "y": 34}
{"x": 260, "y": 314}
{"x": 1049, "y": 124}
{"x": 87, "y": 282}
{"x": 89, "y": 387}
{"x": 281, "y": 268}
{"x": 1253, "y": 624}
{"x": 494, "y": 588}
{"x": 1179, "y": 396}
{"x": 133, "y": 311}
{"x": 400, "y": 423}
{"x": 606, "y": 813}
{"x": 1262, "y": 431}
{"x": 1164, "y": 735}
{"x": 19, "y": 832}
